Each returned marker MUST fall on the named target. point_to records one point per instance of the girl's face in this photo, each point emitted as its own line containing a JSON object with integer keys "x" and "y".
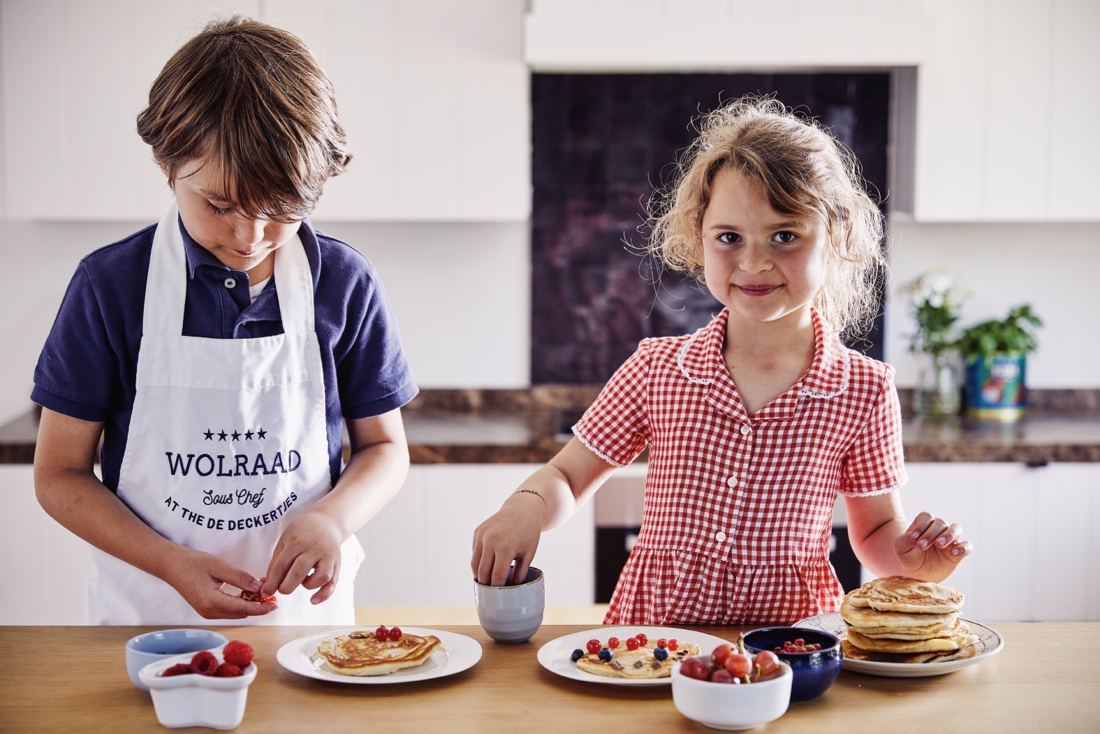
{"x": 239, "y": 242}
{"x": 762, "y": 265}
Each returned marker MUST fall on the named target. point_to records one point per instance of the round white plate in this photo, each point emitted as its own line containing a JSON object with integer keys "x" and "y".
{"x": 554, "y": 655}
{"x": 989, "y": 643}
{"x": 455, "y": 654}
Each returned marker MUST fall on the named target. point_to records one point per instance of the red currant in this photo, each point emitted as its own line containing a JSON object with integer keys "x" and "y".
{"x": 593, "y": 646}
{"x": 642, "y": 639}
{"x": 662, "y": 642}
{"x": 382, "y": 633}
{"x": 672, "y": 645}
{"x": 632, "y": 643}
{"x": 799, "y": 642}
{"x": 395, "y": 634}
{"x": 612, "y": 642}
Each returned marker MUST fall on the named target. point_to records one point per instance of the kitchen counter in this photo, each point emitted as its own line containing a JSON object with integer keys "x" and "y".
{"x": 74, "y": 679}
{"x": 530, "y": 426}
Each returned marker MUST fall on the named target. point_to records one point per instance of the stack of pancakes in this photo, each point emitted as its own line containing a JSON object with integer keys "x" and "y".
{"x": 901, "y": 620}
{"x": 360, "y": 653}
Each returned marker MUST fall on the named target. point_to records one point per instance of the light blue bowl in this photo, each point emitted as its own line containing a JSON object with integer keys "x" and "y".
{"x": 154, "y": 646}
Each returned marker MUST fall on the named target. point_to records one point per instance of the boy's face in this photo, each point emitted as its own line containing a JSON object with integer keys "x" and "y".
{"x": 763, "y": 265}
{"x": 212, "y": 220}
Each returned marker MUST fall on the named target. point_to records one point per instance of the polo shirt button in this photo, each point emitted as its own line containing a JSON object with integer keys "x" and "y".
{"x": 745, "y": 430}
{"x": 230, "y": 283}
{"x": 719, "y": 536}
{"x": 731, "y": 482}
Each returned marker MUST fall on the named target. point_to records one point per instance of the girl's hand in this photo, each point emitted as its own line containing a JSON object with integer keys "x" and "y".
{"x": 930, "y": 548}
{"x": 308, "y": 554}
{"x": 512, "y": 534}
{"x": 198, "y": 577}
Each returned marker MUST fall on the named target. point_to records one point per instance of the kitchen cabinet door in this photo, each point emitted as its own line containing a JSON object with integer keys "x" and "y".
{"x": 418, "y": 546}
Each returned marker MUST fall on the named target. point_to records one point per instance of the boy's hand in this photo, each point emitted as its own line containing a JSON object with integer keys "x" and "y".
{"x": 198, "y": 577}
{"x": 512, "y": 534}
{"x": 930, "y": 548}
{"x": 308, "y": 554}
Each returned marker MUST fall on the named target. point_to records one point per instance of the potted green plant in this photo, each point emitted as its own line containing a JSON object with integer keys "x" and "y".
{"x": 934, "y": 303}
{"x": 995, "y": 353}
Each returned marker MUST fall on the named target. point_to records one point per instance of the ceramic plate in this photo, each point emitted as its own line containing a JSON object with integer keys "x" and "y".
{"x": 455, "y": 654}
{"x": 989, "y": 643}
{"x": 554, "y": 655}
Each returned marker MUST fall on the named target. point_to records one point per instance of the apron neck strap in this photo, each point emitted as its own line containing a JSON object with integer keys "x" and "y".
{"x": 166, "y": 288}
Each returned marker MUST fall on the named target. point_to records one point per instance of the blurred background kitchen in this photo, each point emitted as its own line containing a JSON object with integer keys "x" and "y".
{"x": 503, "y": 154}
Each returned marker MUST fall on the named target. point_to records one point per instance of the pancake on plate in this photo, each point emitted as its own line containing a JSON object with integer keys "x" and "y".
{"x": 360, "y": 653}
{"x": 637, "y": 664}
{"x": 901, "y": 620}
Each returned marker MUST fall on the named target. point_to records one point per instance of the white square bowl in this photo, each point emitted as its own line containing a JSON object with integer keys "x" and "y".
{"x": 197, "y": 700}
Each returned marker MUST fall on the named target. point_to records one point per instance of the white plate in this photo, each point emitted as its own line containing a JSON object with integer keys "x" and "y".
{"x": 455, "y": 654}
{"x": 554, "y": 655}
{"x": 989, "y": 643}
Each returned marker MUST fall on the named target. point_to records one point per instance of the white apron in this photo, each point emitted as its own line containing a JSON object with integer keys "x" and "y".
{"x": 227, "y": 444}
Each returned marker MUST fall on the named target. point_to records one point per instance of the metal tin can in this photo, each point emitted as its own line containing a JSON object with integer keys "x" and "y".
{"x": 996, "y": 387}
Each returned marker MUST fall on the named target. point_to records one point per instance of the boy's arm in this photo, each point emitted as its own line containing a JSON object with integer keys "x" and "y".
{"x": 548, "y": 498}
{"x": 308, "y": 552}
{"x": 927, "y": 549}
{"x": 70, "y": 493}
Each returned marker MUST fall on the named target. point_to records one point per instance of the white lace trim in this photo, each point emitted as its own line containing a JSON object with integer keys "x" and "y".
{"x": 887, "y": 490}
{"x": 596, "y": 451}
{"x": 682, "y": 353}
{"x": 807, "y": 393}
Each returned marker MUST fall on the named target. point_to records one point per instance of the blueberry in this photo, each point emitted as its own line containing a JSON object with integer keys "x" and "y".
{"x": 660, "y": 653}
{"x": 577, "y": 655}
{"x": 605, "y": 654}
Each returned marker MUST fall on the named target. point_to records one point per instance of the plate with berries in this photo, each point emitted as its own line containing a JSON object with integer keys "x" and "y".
{"x": 624, "y": 656}
{"x": 454, "y": 654}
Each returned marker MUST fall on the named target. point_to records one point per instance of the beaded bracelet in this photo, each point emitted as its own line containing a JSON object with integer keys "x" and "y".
{"x": 530, "y": 491}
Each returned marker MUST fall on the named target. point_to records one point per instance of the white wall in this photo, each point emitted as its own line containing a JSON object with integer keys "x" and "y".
{"x": 1054, "y": 267}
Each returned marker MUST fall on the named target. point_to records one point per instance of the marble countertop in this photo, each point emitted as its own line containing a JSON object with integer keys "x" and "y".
{"x": 493, "y": 427}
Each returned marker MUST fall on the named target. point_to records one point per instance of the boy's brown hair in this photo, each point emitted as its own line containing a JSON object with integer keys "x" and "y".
{"x": 803, "y": 171}
{"x": 253, "y": 100}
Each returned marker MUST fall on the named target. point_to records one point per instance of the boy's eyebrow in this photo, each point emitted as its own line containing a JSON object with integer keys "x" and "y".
{"x": 214, "y": 195}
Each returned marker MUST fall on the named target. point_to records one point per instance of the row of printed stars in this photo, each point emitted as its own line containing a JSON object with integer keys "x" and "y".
{"x": 236, "y": 435}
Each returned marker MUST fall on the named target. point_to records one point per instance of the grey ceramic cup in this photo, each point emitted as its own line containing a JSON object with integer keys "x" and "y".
{"x": 511, "y": 613}
{"x": 154, "y": 646}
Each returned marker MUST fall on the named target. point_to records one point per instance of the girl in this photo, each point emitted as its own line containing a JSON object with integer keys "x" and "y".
{"x": 757, "y": 420}
{"x": 219, "y": 353}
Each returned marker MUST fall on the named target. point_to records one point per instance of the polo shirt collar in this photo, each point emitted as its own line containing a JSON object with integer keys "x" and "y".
{"x": 197, "y": 255}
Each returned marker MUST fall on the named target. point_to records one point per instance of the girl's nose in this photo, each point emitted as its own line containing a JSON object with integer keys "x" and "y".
{"x": 754, "y": 258}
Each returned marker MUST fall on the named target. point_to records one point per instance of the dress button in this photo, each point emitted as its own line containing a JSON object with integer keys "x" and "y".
{"x": 731, "y": 482}
{"x": 719, "y": 536}
{"x": 745, "y": 430}
{"x": 230, "y": 283}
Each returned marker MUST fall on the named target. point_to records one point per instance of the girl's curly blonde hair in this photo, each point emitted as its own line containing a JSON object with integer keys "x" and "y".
{"x": 804, "y": 172}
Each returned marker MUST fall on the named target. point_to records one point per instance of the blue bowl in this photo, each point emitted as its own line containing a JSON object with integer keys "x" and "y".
{"x": 814, "y": 671}
{"x": 154, "y": 646}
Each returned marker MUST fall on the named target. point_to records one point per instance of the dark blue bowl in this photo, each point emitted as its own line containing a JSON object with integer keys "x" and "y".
{"x": 814, "y": 671}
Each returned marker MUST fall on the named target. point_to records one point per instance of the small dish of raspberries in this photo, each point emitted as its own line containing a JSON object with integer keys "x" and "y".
{"x": 208, "y": 688}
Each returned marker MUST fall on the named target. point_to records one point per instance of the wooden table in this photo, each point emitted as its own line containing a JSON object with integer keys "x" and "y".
{"x": 67, "y": 679}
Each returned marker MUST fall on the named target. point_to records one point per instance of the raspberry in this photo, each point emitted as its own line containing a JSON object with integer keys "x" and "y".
{"x": 227, "y": 670}
{"x": 177, "y": 669}
{"x": 239, "y": 653}
{"x": 204, "y": 663}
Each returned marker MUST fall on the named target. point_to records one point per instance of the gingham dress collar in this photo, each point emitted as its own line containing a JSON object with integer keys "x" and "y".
{"x": 700, "y": 360}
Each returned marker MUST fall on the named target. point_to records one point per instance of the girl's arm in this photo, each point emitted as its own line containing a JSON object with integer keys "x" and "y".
{"x": 548, "y": 498}
{"x": 70, "y": 493}
{"x": 927, "y": 549}
{"x": 308, "y": 552}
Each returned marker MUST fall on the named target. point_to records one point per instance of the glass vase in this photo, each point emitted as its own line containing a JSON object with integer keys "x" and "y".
{"x": 938, "y": 388}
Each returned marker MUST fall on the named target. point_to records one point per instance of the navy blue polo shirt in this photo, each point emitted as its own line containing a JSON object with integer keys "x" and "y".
{"x": 88, "y": 366}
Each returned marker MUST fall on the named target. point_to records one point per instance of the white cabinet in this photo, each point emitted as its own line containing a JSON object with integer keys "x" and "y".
{"x": 433, "y": 95}
{"x": 1036, "y": 535}
{"x": 418, "y": 546}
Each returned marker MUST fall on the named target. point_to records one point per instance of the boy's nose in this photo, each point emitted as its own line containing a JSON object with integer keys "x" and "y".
{"x": 249, "y": 231}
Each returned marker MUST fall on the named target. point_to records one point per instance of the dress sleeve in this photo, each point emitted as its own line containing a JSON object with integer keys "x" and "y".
{"x": 876, "y": 464}
{"x": 616, "y": 426}
{"x": 74, "y": 371}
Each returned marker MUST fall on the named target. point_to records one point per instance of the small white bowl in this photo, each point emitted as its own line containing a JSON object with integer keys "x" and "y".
{"x": 731, "y": 707}
{"x": 197, "y": 700}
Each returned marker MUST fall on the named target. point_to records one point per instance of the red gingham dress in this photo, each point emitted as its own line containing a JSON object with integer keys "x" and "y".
{"x": 738, "y": 509}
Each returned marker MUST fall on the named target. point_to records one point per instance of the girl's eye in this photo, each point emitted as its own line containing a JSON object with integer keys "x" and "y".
{"x": 729, "y": 238}
{"x": 786, "y": 238}
{"x": 218, "y": 210}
